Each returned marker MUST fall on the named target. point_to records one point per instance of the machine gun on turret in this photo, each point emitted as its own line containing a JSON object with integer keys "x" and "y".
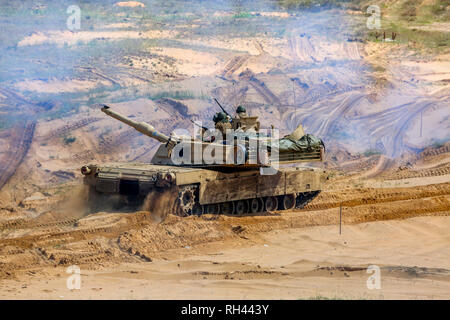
{"x": 225, "y": 111}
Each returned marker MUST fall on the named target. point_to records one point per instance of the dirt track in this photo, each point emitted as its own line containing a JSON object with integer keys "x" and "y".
{"x": 18, "y": 150}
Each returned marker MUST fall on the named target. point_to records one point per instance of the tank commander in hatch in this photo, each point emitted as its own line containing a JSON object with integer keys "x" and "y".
{"x": 241, "y": 112}
{"x": 244, "y": 122}
{"x": 222, "y": 123}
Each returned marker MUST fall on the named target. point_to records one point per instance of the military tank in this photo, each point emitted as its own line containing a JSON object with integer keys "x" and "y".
{"x": 235, "y": 183}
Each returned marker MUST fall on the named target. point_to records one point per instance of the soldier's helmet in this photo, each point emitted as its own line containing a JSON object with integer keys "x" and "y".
{"x": 220, "y": 117}
{"x": 240, "y": 109}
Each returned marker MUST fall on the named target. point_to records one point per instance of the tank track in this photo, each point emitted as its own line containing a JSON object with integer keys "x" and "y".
{"x": 254, "y": 206}
{"x": 186, "y": 203}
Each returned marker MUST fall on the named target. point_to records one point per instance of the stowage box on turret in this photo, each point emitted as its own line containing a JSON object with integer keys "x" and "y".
{"x": 234, "y": 178}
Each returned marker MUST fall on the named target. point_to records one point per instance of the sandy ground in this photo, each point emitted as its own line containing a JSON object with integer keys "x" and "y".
{"x": 394, "y": 216}
{"x": 313, "y": 262}
{"x": 402, "y": 229}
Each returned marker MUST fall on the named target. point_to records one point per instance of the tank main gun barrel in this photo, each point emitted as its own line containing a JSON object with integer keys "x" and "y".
{"x": 142, "y": 127}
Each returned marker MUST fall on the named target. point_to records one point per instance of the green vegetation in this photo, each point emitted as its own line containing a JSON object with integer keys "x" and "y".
{"x": 178, "y": 95}
{"x": 243, "y": 15}
{"x": 302, "y": 4}
{"x": 372, "y": 152}
{"x": 440, "y": 8}
{"x": 413, "y": 22}
{"x": 424, "y": 38}
{"x": 404, "y": 17}
{"x": 69, "y": 140}
{"x": 118, "y": 94}
{"x": 409, "y": 10}
{"x": 425, "y": 12}
{"x": 379, "y": 69}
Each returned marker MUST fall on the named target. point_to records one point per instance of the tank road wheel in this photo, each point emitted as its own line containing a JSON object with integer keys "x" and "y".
{"x": 256, "y": 205}
{"x": 185, "y": 201}
{"x": 197, "y": 209}
{"x": 271, "y": 203}
{"x": 227, "y": 207}
{"x": 288, "y": 202}
{"x": 241, "y": 207}
{"x": 212, "y": 208}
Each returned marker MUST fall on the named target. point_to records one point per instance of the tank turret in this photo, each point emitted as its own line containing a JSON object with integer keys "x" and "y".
{"x": 296, "y": 147}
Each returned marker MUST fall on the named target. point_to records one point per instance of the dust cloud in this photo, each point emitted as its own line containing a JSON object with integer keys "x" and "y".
{"x": 160, "y": 203}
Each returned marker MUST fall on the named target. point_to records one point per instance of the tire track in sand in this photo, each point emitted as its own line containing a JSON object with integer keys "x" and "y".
{"x": 14, "y": 158}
